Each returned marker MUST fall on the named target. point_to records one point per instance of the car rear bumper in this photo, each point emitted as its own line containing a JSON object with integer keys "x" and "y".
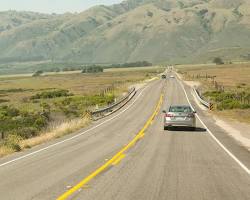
{"x": 179, "y": 123}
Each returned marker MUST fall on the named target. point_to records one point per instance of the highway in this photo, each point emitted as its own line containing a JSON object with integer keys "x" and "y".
{"x": 176, "y": 165}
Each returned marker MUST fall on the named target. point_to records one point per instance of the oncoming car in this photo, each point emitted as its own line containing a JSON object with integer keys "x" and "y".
{"x": 180, "y": 115}
{"x": 163, "y": 76}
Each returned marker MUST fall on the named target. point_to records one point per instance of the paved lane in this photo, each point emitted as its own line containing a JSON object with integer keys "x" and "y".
{"x": 177, "y": 164}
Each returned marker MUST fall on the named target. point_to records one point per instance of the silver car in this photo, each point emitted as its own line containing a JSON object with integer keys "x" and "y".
{"x": 180, "y": 116}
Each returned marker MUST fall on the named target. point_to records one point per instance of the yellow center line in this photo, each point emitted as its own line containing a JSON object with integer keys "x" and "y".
{"x": 116, "y": 158}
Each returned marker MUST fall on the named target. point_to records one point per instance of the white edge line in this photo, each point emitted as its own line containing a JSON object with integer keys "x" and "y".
{"x": 78, "y": 135}
{"x": 218, "y": 142}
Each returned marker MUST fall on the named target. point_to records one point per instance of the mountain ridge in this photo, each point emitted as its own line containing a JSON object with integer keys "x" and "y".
{"x": 153, "y": 30}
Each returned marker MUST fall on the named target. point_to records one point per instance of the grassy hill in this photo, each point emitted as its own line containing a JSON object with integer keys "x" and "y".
{"x": 153, "y": 30}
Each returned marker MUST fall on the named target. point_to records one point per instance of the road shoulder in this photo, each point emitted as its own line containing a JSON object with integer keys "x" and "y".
{"x": 239, "y": 131}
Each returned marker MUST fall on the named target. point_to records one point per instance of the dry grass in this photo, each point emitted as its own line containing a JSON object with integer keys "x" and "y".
{"x": 5, "y": 151}
{"x": 227, "y": 75}
{"x": 56, "y": 132}
{"x": 236, "y": 114}
{"x": 79, "y": 84}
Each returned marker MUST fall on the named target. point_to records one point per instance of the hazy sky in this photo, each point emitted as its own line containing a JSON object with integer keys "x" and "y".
{"x": 49, "y": 6}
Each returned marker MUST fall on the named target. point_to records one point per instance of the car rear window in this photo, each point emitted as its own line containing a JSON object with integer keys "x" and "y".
{"x": 182, "y": 109}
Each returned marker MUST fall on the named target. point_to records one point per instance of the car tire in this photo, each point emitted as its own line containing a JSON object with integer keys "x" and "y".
{"x": 193, "y": 128}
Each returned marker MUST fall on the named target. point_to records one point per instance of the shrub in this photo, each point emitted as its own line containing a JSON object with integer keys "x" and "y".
{"x": 230, "y": 99}
{"x": 218, "y": 61}
{"x": 203, "y": 12}
{"x": 22, "y": 123}
{"x": 12, "y": 142}
{"x": 150, "y": 14}
{"x": 92, "y": 69}
{"x": 77, "y": 105}
{"x": 3, "y": 100}
{"x": 45, "y": 106}
{"x": 133, "y": 64}
{"x": 38, "y": 73}
{"x": 51, "y": 94}
{"x": 27, "y": 132}
{"x": 181, "y": 4}
{"x": 228, "y": 104}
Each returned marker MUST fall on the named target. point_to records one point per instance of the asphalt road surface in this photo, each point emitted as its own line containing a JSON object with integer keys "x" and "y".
{"x": 177, "y": 164}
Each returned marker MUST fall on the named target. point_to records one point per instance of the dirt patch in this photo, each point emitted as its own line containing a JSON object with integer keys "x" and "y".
{"x": 193, "y": 83}
{"x": 143, "y": 83}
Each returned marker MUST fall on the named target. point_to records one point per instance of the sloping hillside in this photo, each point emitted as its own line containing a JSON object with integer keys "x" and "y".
{"x": 152, "y": 30}
{"x": 13, "y": 19}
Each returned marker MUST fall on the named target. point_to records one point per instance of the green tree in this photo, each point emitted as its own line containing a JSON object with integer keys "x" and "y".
{"x": 218, "y": 61}
{"x": 38, "y": 73}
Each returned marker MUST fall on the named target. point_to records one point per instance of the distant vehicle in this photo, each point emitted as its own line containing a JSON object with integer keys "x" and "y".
{"x": 163, "y": 76}
{"x": 180, "y": 115}
{"x": 172, "y": 76}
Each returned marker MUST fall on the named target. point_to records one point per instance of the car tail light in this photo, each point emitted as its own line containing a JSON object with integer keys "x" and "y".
{"x": 169, "y": 115}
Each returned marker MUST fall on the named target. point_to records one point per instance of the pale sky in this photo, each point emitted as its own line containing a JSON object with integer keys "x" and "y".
{"x": 52, "y": 6}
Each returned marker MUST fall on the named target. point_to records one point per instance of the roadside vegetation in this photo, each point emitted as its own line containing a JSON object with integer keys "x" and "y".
{"x": 37, "y": 109}
{"x": 226, "y": 86}
{"x": 218, "y": 61}
{"x": 226, "y": 100}
{"x": 42, "y": 68}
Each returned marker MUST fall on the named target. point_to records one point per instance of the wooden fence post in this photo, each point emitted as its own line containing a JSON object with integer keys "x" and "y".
{"x": 2, "y": 135}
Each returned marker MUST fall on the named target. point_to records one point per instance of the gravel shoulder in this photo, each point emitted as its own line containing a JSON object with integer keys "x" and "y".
{"x": 238, "y": 130}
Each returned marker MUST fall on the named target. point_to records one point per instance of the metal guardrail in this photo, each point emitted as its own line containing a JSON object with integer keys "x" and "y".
{"x": 109, "y": 108}
{"x": 202, "y": 101}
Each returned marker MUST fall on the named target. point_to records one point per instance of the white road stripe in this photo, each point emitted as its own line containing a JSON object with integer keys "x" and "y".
{"x": 244, "y": 167}
{"x": 76, "y": 136}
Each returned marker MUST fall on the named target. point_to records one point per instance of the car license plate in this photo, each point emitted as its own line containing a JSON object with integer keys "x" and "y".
{"x": 180, "y": 118}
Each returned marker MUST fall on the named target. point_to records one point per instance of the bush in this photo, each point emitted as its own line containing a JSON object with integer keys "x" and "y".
{"x": 22, "y": 123}
{"x": 150, "y": 14}
{"x": 3, "y": 100}
{"x": 203, "y": 12}
{"x": 228, "y": 104}
{"x": 92, "y": 69}
{"x": 229, "y": 99}
{"x": 38, "y": 73}
{"x": 77, "y": 105}
{"x": 218, "y": 61}
{"x": 27, "y": 132}
{"x": 12, "y": 142}
{"x": 52, "y": 94}
{"x": 133, "y": 64}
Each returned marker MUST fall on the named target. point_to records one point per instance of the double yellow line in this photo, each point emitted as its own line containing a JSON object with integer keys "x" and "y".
{"x": 116, "y": 158}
